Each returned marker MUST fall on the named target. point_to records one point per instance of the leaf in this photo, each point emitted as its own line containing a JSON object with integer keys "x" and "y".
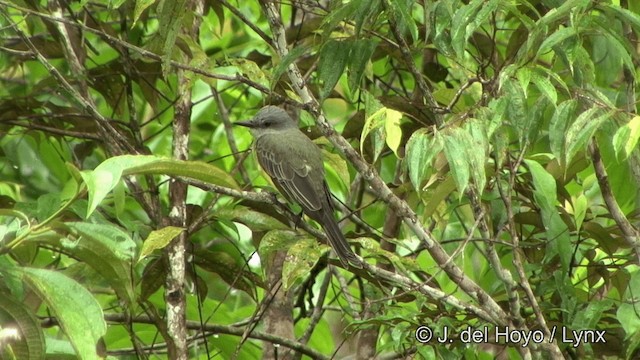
{"x": 335, "y": 165}
{"x": 590, "y": 317}
{"x": 524, "y": 78}
{"x": 284, "y": 63}
{"x": 333, "y": 56}
{"x": 371, "y": 123}
{"x": 141, "y": 6}
{"x": 301, "y": 258}
{"x": 558, "y": 126}
{"x": 625, "y": 16}
{"x": 277, "y": 240}
{"x": 255, "y": 220}
{"x": 441, "y": 18}
{"x": 17, "y": 316}
{"x": 455, "y": 145}
{"x": 467, "y": 19}
{"x": 625, "y": 140}
{"x": 364, "y": 11}
{"x": 628, "y": 314}
{"x": 557, "y": 233}
{"x": 517, "y": 109}
{"x": 392, "y": 130}
{"x": 361, "y": 52}
{"x": 107, "y": 175}
{"x": 477, "y": 152}
{"x": 421, "y": 150}
{"x": 222, "y": 263}
{"x": 249, "y": 69}
{"x": 546, "y": 88}
{"x": 170, "y": 16}
{"x": 555, "y": 38}
{"x": 582, "y": 130}
{"x": 105, "y": 248}
{"x": 75, "y": 308}
{"x": 153, "y": 277}
{"x": 580, "y": 206}
{"x": 402, "y": 16}
{"x": 159, "y": 239}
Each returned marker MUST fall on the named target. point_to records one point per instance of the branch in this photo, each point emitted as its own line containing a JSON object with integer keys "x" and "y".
{"x": 115, "y": 42}
{"x": 491, "y": 309}
{"x": 408, "y": 59}
{"x": 210, "y": 329}
{"x": 629, "y": 233}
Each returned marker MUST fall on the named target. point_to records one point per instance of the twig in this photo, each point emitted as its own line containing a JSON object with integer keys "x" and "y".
{"x": 629, "y": 233}
{"x": 490, "y": 308}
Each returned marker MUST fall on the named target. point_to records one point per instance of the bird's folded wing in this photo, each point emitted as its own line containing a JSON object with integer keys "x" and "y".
{"x": 294, "y": 181}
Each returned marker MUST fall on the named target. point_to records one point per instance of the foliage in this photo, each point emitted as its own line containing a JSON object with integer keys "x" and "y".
{"x": 488, "y": 151}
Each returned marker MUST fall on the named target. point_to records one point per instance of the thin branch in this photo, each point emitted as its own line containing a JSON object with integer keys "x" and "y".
{"x": 115, "y": 42}
{"x": 408, "y": 59}
{"x": 629, "y": 233}
{"x": 210, "y": 330}
{"x": 490, "y": 308}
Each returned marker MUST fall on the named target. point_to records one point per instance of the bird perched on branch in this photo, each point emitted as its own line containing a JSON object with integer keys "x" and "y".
{"x": 295, "y": 166}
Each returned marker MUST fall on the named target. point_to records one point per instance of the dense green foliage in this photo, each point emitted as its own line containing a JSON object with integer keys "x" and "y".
{"x": 487, "y": 151}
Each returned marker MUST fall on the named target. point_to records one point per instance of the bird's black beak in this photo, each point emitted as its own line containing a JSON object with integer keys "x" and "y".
{"x": 247, "y": 123}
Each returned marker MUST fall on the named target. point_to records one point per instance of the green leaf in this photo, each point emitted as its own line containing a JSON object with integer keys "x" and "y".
{"x": 334, "y": 56}
{"x": 560, "y": 13}
{"x": 625, "y": 16}
{"x": 580, "y": 206}
{"x": 16, "y": 315}
{"x": 402, "y": 16}
{"x": 301, "y": 258}
{"x": 361, "y": 52}
{"x": 625, "y": 140}
{"x": 289, "y": 59}
{"x": 421, "y": 150}
{"x": 557, "y": 233}
{"x": 107, "y": 249}
{"x": 556, "y": 38}
{"x": 455, "y": 149}
{"x": 517, "y": 109}
{"x": 277, "y": 240}
{"x": 628, "y": 313}
{"x": 524, "y": 78}
{"x": 141, "y": 6}
{"x": 546, "y": 88}
{"x": 589, "y": 318}
{"x": 477, "y": 152}
{"x": 441, "y": 18}
{"x": 255, "y": 220}
{"x": 467, "y": 20}
{"x": 371, "y": 123}
{"x": 159, "y": 239}
{"x": 582, "y": 130}
{"x": 612, "y": 51}
{"x": 233, "y": 273}
{"x": 171, "y": 14}
{"x": 558, "y": 126}
{"x": 249, "y": 69}
{"x": 107, "y": 175}
{"x": 335, "y": 165}
{"x": 75, "y": 308}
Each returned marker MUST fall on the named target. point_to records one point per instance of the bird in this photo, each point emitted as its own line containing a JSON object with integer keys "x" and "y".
{"x": 294, "y": 164}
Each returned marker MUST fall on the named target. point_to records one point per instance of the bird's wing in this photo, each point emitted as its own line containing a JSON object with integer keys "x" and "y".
{"x": 293, "y": 177}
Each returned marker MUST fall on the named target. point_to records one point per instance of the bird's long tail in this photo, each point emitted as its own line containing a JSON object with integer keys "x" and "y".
{"x": 338, "y": 241}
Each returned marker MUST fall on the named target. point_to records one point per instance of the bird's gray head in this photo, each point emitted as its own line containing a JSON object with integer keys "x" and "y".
{"x": 269, "y": 119}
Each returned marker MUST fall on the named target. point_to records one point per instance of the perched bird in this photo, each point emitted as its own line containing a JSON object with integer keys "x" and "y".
{"x": 295, "y": 165}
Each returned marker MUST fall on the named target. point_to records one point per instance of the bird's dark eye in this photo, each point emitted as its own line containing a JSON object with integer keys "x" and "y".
{"x": 267, "y": 123}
